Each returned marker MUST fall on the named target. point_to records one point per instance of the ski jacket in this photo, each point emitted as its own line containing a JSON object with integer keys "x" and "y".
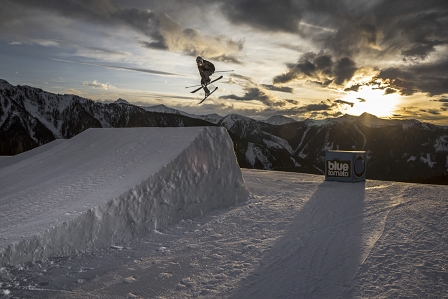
{"x": 207, "y": 68}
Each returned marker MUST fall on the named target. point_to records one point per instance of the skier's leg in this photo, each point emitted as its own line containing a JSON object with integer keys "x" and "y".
{"x": 207, "y": 75}
{"x": 205, "y": 80}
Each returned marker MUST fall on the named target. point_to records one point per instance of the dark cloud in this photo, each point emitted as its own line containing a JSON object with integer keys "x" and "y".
{"x": 318, "y": 110}
{"x": 253, "y": 91}
{"x": 354, "y": 34}
{"x": 255, "y": 94}
{"x": 398, "y": 80}
{"x": 351, "y": 104}
{"x": 353, "y": 87}
{"x": 278, "y": 88}
{"x": 433, "y": 85}
{"x": 226, "y": 59}
{"x": 319, "y": 69}
{"x": 442, "y": 100}
{"x": 157, "y": 45}
{"x": 437, "y": 68}
{"x": 344, "y": 71}
{"x": 389, "y": 90}
{"x": 413, "y": 27}
{"x": 420, "y": 51}
{"x": 431, "y": 111}
{"x": 279, "y": 15}
{"x": 419, "y": 78}
{"x": 322, "y": 106}
{"x": 294, "y": 102}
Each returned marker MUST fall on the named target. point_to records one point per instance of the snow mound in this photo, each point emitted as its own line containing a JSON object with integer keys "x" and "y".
{"x": 106, "y": 186}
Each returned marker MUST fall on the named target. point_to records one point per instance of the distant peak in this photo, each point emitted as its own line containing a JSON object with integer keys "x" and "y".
{"x": 279, "y": 120}
{"x": 368, "y": 115}
{"x": 3, "y": 81}
{"x": 121, "y": 101}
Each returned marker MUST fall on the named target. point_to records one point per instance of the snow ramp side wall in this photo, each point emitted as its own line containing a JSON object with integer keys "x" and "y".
{"x": 203, "y": 177}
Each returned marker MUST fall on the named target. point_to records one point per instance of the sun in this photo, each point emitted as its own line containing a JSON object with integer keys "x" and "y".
{"x": 371, "y": 100}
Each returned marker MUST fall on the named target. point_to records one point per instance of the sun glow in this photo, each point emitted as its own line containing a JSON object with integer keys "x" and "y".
{"x": 371, "y": 100}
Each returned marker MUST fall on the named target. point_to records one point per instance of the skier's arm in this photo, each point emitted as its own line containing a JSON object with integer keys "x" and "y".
{"x": 201, "y": 72}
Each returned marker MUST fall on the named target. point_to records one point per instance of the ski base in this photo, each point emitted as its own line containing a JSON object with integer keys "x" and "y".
{"x": 208, "y": 95}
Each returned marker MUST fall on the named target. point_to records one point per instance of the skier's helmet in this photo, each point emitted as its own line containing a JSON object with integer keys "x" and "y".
{"x": 199, "y": 60}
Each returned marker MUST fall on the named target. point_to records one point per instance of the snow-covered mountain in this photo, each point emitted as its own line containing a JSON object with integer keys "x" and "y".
{"x": 396, "y": 149}
{"x": 213, "y": 118}
{"x": 279, "y": 120}
{"x": 31, "y": 117}
{"x": 401, "y": 150}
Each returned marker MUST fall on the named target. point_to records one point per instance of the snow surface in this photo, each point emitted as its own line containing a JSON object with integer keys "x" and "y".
{"x": 295, "y": 236}
{"x": 109, "y": 185}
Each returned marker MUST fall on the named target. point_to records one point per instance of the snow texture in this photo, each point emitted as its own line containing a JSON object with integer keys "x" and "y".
{"x": 298, "y": 236}
{"x": 294, "y": 235}
{"x": 110, "y": 185}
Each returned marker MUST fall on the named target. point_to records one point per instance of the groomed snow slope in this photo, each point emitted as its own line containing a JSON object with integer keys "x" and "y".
{"x": 109, "y": 185}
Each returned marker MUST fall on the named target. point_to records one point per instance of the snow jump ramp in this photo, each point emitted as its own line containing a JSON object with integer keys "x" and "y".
{"x": 106, "y": 186}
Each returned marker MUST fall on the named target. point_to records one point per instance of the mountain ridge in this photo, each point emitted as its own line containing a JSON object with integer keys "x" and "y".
{"x": 402, "y": 150}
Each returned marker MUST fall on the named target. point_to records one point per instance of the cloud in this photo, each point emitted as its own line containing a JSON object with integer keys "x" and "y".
{"x": 149, "y": 71}
{"x": 253, "y": 91}
{"x": 389, "y": 90}
{"x": 344, "y": 103}
{"x": 442, "y": 100}
{"x": 96, "y": 84}
{"x": 279, "y": 15}
{"x": 354, "y": 87}
{"x": 344, "y": 70}
{"x": 431, "y": 111}
{"x": 412, "y": 28}
{"x": 319, "y": 69}
{"x": 278, "y": 88}
{"x": 399, "y": 80}
{"x": 168, "y": 34}
{"x": 322, "y": 106}
{"x": 163, "y": 31}
{"x": 431, "y": 79}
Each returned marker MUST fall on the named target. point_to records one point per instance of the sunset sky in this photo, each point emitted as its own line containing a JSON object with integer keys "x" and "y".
{"x": 297, "y": 58}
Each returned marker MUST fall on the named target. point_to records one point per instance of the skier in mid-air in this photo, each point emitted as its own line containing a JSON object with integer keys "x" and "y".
{"x": 206, "y": 69}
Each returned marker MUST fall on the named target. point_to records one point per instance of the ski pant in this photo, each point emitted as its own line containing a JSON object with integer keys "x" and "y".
{"x": 206, "y": 77}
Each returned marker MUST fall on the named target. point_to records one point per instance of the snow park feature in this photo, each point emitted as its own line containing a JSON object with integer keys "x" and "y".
{"x": 295, "y": 235}
{"x": 105, "y": 186}
{"x": 345, "y": 166}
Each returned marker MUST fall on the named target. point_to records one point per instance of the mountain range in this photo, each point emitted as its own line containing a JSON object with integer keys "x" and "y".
{"x": 399, "y": 150}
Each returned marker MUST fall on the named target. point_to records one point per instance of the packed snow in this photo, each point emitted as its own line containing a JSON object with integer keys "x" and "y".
{"x": 109, "y": 185}
{"x": 294, "y": 236}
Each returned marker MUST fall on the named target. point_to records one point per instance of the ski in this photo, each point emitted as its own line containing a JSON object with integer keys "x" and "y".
{"x": 220, "y": 77}
{"x": 208, "y": 95}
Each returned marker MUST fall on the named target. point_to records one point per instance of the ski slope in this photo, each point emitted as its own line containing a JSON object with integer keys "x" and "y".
{"x": 294, "y": 236}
